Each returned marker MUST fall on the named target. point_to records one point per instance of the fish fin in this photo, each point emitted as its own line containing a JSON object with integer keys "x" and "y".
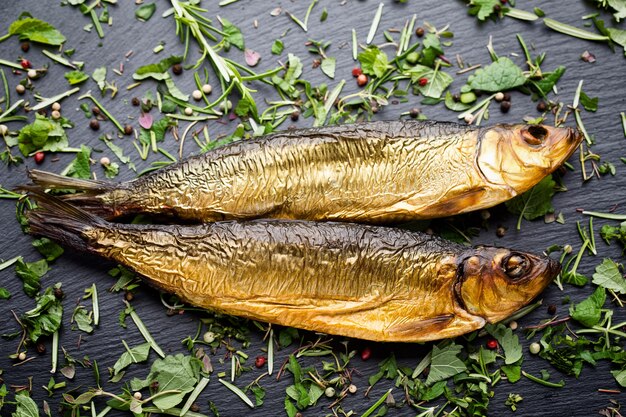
{"x": 422, "y": 327}
{"x": 89, "y": 194}
{"x": 60, "y": 221}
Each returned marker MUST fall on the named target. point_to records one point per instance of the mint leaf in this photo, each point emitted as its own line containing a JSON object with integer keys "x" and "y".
{"x": 513, "y": 372}
{"x": 30, "y": 273}
{"x": 620, "y": 9}
{"x": 42, "y": 135}
{"x": 588, "y": 311}
{"x": 47, "y": 248}
{"x": 373, "y": 61}
{"x": 535, "y": 202}
{"x": 26, "y": 406}
{"x": 4, "y": 294}
{"x": 82, "y": 319}
{"x": 437, "y": 83}
{"x": 76, "y": 77}
{"x": 618, "y": 36}
{"x": 482, "y": 9}
{"x": 328, "y": 67}
{"x": 509, "y": 342}
{"x": 81, "y": 165}
{"x": 145, "y": 11}
{"x": 45, "y": 318}
{"x": 277, "y": 47}
{"x": 445, "y": 363}
{"x": 232, "y": 35}
{"x": 157, "y": 71}
{"x": 36, "y": 30}
{"x": 500, "y": 75}
{"x": 159, "y": 128}
{"x": 609, "y": 276}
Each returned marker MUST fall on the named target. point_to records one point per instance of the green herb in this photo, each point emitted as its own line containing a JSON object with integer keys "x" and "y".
{"x": 82, "y": 319}
{"x": 103, "y": 110}
{"x": 590, "y": 104}
{"x": 238, "y": 392}
{"x": 608, "y": 233}
{"x": 135, "y": 355}
{"x": 509, "y": 342}
{"x": 304, "y": 391}
{"x": 232, "y": 35}
{"x": 437, "y": 83}
{"x": 328, "y": 67}
{"x": 277, "y": 47}
{"x": 99, "y": 76}
{"x": 42, "y": 135}
{"x": 375, "y": 23}
{"x": 47, "y": 248}
{"x": 194, "y": 395}
{"x": 176, "y": 376}
{"x": 483, "y": 9}
{"x": 145, "y": 11}
{"x": 373, "y": 61}
{"x": 609, "y": 276}
{"x": 501, "y": 75}
{"x": 618, "y": 36}
{"x": 143, "y": 330}
{"x": 303, "y": 24}
{"x": 377, "y": 404}
{"x": 4, "y": 294}
{"x": 30, "y": 273}
{"x": 445, "y": 363}
{"x": 157, "y": 71}
{"x": 388, "y": 368}
{"x": 588, "y": 312}
{"x": 61, "y": 60}
{"x": 35, "y": 30}
{"x": 25, "y": 406}
{"x": 573, "y": 31}
{"x": 45, "y": 318}
{"x": 522, "y": 14}
{"x": 80, "y": 167}
{"x": 93, "y": 293}
{"x": 543, "y": 382}
{"x": 535, "y": 202}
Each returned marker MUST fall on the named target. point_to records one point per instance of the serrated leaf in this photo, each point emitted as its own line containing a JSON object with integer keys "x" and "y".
{"x": 437, "y": 81}
{"x": 609, "y": 276}
{"x": 508, "y": 341}
{"x": 588, "y": 311}
{"x": 328, "y": 67}
{"x": 30, "y": 273}
{"x": 445, "y": 363}
{"x": 500, "y": 75}
{"x": 482, "y": 9}
{"x": 513, "y": 372}
{"x": 373, "y": 61}
{"x": 25, "y": 406}
{"x": 37, "y": 31}
{"x": 42, "y": 135}
{"x": 535, "y": 202}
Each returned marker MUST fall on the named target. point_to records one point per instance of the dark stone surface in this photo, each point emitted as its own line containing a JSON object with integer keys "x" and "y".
{"x": 604, "y": 79}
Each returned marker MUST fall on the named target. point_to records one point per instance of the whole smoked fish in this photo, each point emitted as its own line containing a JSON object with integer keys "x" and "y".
{"x": 363, "y": 281}
{"x": 370, "y": 173}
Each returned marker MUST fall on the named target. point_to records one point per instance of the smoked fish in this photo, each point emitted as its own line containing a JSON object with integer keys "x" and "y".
{"x": 373, "y": 172}
{"x": 363, "y": 281}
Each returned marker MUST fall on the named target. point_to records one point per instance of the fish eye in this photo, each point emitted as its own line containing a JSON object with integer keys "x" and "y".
{"x": 515, "y": 265}
{"x": 534, "y": 135}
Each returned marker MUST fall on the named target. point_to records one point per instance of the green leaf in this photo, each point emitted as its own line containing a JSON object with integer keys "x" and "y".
{"x": 145, "y": 11}
{"x": 81, "y": 166}
{"x": 36, "y": 30}
{"x": 4, "y": 294}
{"x": 232, "y": 35}
{"x": 243, "y": 108}
{"x": 47, "y": 248}
{"x": 157, "y": 71}
{"x": 277, "y": 47}
{"x": 513, "y": 372}
{"x": 455, "y": 105}
{"x": 388, "y": 368}
{"x": 328, "y": 67}
{"x": 500, "y": 75}
{"x": 437, "y": 83}
{"x": 445, "y": 363}
{"x": 99, "y": 76}
{"x": 618, "y": 36}
{"x": 620, "y": 9}
{"x": 42, "y": 135}
{"x": 535, "y": 202}
{"x": 111, "y": 170}
{"x": 290, "y": 409}
{"x": 82, "y": 319}
{"x": 373, "y": 61}
{"x": 590, "y": 104}
{"x": 620, "y": 377}
{"x": 159, "y": 128}
{"x": 76, "y": 77}
{"x": 547, "y": 82}
{"x": 431, "y": 49}
{"x": 26, "y": 406}
{"x": 30, "y": 273}
{"x": 482, "y": 9}
{"x": 588, "y": 311}
{"x": 135, "y": 355}
{"x": 609, "y": 276}
{"x": 45, "y": 318}
{"x": 509, "y": 342}
{"x": 259, "y": 394}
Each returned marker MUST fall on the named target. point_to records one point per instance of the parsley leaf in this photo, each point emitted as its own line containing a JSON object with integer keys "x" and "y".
{"x": 437, "y": 83}
{"x": 373, "y": 61}
{"x": 99, "y": 76}
{"x": 232, "y": 35}
{"x": 47, "y": 248}
{"x": 509, "y": 342}
{"x": 588, "y": 311}
{"x": 535, "y": 202}
{"x": 45, "y": 318}
{"x": 500, "y": 75}
{"x": 482, "y": 9}
{"x": 445, "y": 363}
{"x": 388, "y": 368}
{"x": 76, "y": 77}
{"x": 609, "y": 276}
{"x": 30, "y": 273}
{"x": 159, "y": 128}
{"x": 36, "y": 30}
{"x": 42, "y": 135}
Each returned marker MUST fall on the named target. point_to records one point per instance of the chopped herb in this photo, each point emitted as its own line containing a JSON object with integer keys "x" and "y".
{"x": 232, "y": 35}
{"x": 76, "y": 77}
{"x": 535, "y": 202}
{"x": 501, "y": 75}
{"x": 145, "y": 11}
{"x": 35, "y": 30}
{"x": 483, "y": 9}
{"x": 588, "y": 311}
{"x": 373, "y": 61}
{"x": 277, "y": 47}
{"x": 30, "y": 273}
{"x": 42, "y": 135}
{"x": 47, "y": 248}
{"x": 609, "y": 276}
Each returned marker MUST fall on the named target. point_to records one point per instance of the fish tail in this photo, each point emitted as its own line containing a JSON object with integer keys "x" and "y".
{"x": 60, "y": 221}
{"x": 93, "y": 196}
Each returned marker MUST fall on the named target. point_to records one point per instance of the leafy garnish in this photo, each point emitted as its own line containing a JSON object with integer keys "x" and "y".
{"x": 25, "y": 406}
{"x": 373, "y": 61}
{"x": 30, "y": 273}
{"x": 4, "y": 294}
{"x": 83, "y": 319}
{"x": 588, "y": 311}
{"x": 132, "y": 355}
{"x": 609, "y": 276}
{"x": 76, "y": 77}
{"x": 483, "y": 9}
{"x": 47, "y": 248}
{"x": 80, "y": 167}
{"x": 436, "y": 80}
{"x": 42, "y": 135}
{"x": 45, "y": 318}
{"x": 509, "y": 342}
{"x": 277, "y": 47}
{"x": 535, "y": 202}
{"x": 445, "y": 363}
{"x": 501, "y": 75}
{"x": 35, "y": 30}
{"x": 145, "y": 11}
{"x": 159, "y": 70}
{"x": 232, "y": 35}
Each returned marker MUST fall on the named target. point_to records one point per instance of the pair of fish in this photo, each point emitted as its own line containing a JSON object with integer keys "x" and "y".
{"x": 350, "y": 279}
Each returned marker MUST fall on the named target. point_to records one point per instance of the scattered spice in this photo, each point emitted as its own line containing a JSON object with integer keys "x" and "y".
{"x": 505, "y": 106}
{"x": 366, "y": 353}
{"x": 419, "y": 31}
{"x": 356, "y": 71}
{"x": 177, "y": 69}
{"x": 361, "y": 80}
{"x": 94, "y": 124}
{"x": 20, "y": 89}
{"x": 492, "y": 344}
{"x": 39, "y": 157}
{"x": 541, "y": 106}
{"x": 260, "y": 361}
{"x": 414, "y": 112}
{"x": 25, "y": 46}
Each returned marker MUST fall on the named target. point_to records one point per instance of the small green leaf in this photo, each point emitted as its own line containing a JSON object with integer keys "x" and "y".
{"x": 482, "y": 9}
{"x": 588, "y": 311}
{"x": 277, "y": 47}
{"x": 30, "y": 273}
{"x": 500, "y": 75}
{"x": 547, "y": 81}
{"x": 99, "y": 76}
{"x": 232, "y": 35}
{"x": 609, "y": 276}
{"x": 373, "y": 61}
{"x": 157, "y": 71}
{"x": 145, "y": 11}
{"x": 83, "y": 320}
{"x": 590, "y": 104}
{"x": 45, "y": 318}
{"x": 328, "y": 67}
{"x": 618, "y": 36}
{"x": 535, "y": 202}
{"x": 26, "y": 406}
{"x": 445, "y": 363}
{"x": 4, "y": 294}
{"x": 620, "y": 377}
{"x": 76, "y": 77}
{"x": 437, "y": 81}
{"x": 81, "y": 165}
{"x": 36, "y": 30}
{"x": 134, "y": 355}
{"x": 513, "y": 372}
{"x": 508, "y": 341}
{"x": 47, "y": 248}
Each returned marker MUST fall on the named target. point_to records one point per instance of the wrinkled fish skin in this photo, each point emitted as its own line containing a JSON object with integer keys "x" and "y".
{"x": 354, "y": 280}
{"x": 368, "y": 172}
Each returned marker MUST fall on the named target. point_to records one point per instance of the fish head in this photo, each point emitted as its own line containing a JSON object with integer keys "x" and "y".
{"x": 493, "y": 282}
{"x": 516, "y": 157}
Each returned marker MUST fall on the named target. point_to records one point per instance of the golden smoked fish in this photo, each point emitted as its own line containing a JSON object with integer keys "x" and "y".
{"x": 369, "y": 172}
{"x": 363, "y": 281}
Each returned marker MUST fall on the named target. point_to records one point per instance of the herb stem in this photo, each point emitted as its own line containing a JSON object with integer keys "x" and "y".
{"x": 608, "y": 216}
{"x": 543, "y": 382}
{"x": 377, "y": 404}
{"x": 94, "y": 305}
{"x": 573, "y": 31}
{"x": 375, "y": 23}
{"x": 102, "y": 109}
{"x": 6, "y": 264}
{"x": 238, "y": 392}
{"x": 144, "y": 331}
{"x": 194, "y": 395}
{"x": 270, "y": 353}
{"x": 55, "y": 351}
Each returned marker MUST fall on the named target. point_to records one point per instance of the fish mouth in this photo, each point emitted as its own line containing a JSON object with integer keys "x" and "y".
{"x": 563, "y": 142}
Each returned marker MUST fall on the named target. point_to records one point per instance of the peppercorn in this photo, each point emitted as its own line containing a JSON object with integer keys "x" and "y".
{"x": 188, "y": 111}
{"x": 361, "y": 80}
{"x": 41, "y": 348}
{"x": 94, "y": 124}
{"x": 422, "y": 81}
{"x": 197, "y": 95}
{"x": 352, "y": 388}
{"x": 366, "y": 353}
{"x": 375, "y": 108}
{"x": 25, "y": 63}
{"x": 55, "y": 114}
{"x": 56, "y": 106}
{"x": 104, "y": 161}
{"x": 414, "y": 112}
{"x": 356, "y": 71}
{"x": 541, "y": 106}
{"x": 295, "y": 115}
{"x": 129, "y": 296}
{"x": 32, "y": 74}
{"x": 128, "y": 130}
{"x": 135, "y": 101}
{"x": 58, "y": 293}
{"x": 260, "y": 361}
{"x": 22, "y": 356}
{"x": 501, "y": 231}
{"x": 194, "y": 407}
{"x": 513, "y": 325}
{"x": 499, "y": 96}
{"x": 551, "y": 309}
{"x": 419, "y": 31}
{"x": 507, "y": 97}
{"x": 39, "y": 157}
{"x": 206, "y": 88}
{"x": 456, "y": 97}
{"x": 20, "y": 89}
{"x": 25, "y": 46}
{"x": 137, "y": 395}
{"x": 329, "y": 392}
{"x": 177, "y": 69}
{"x": 505, "y": 106}
{"x": 492, "y": 344}
{"x": 208, "y": 337}
{"x": 534, "y": 348}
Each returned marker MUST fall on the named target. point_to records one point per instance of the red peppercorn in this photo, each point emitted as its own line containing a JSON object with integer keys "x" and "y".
{"x": 366, "y": 353}
{"x": 25, "y": 63}
{"x": 492, "y": 344}
{"x": 39, "y": 157}
{"x": 422, "y": 81}
{"x": 361, "y": 80}
{"x": 260, "y": 361}
{"x": 356, "y": 71}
